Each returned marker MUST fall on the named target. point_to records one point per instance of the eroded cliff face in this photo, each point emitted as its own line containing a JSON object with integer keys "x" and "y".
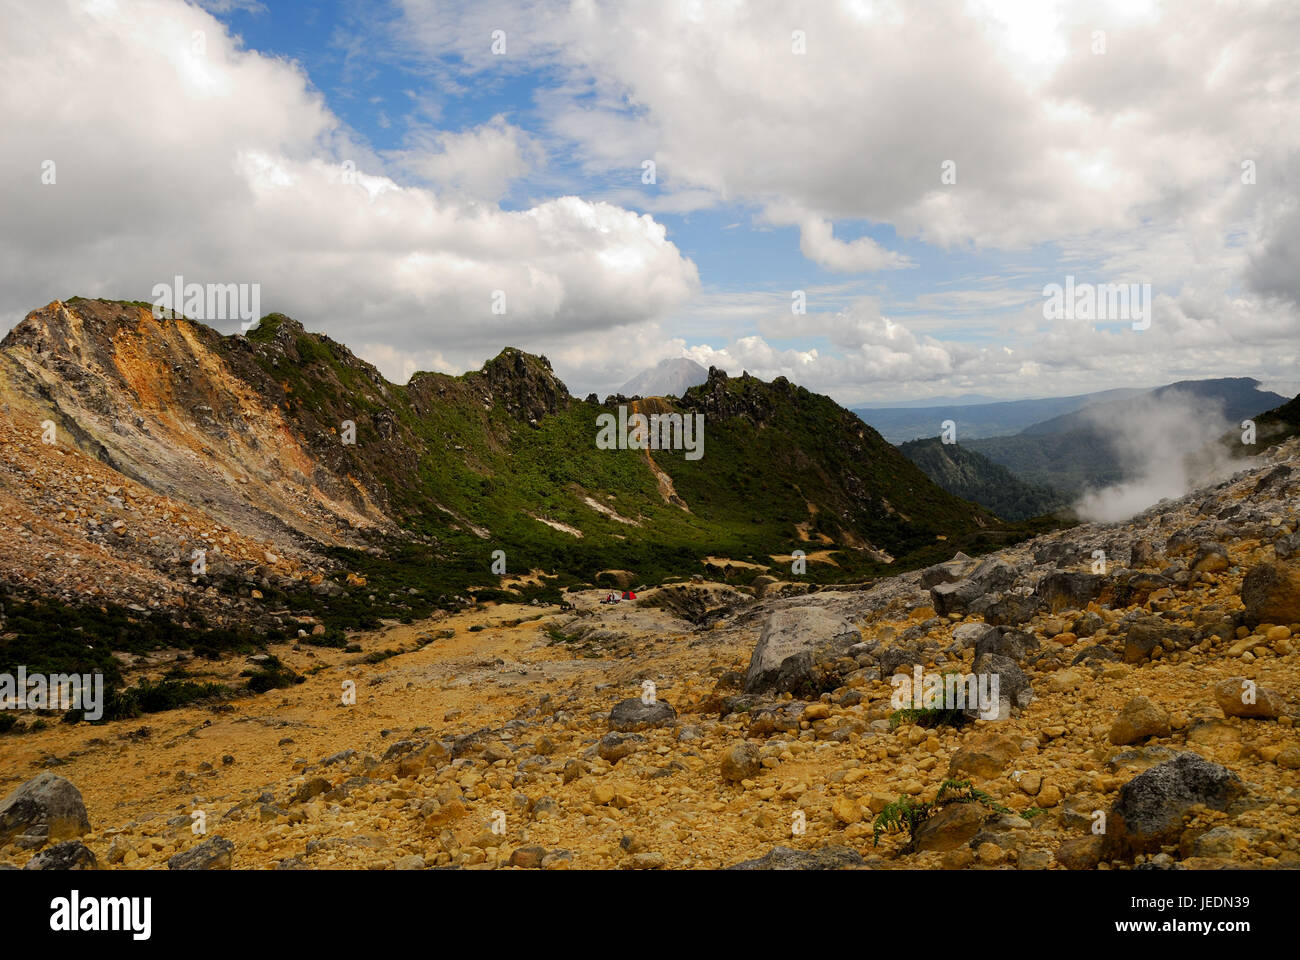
{"x": 185, "y": 412}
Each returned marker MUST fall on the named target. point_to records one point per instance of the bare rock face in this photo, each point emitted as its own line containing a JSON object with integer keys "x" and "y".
{"x": 524, "y": 384}
{"x": 699, "y": 604}
{"x": 1271, "y": 593}
{"x": 44, "y": 808}
{"x": 1082, "y": 853}
{"x": 797, "y": 650}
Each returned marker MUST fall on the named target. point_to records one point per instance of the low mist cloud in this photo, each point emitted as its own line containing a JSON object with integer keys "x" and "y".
{"x": 1167, "y": 445}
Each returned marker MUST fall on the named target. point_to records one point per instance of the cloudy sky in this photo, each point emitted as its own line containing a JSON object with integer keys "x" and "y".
{"x": 646, "y": 180}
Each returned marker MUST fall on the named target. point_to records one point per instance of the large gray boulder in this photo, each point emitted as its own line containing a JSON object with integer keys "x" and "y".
{"x": 1009, "y": 611}
{"x": 967, "y": 635}
{"x": 1014, "y": 689}
{"x": 1013, "y": 644}
{"x": 989, "y": 576}
{"x": 798, "y": 650}
{"x": 44, "y": 808}
{"x": 947, "y": 572}
{"x": 1149, "y": 811}
{"x": 955, "y": 597}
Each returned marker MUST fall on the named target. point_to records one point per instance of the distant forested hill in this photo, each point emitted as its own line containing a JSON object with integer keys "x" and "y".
{"x": 972, "y": 476}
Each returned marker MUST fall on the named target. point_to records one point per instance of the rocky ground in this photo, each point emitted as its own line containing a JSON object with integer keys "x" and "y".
{"x": 1148, "y": 674}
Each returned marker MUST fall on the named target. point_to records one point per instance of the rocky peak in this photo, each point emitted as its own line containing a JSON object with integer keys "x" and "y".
{"x": 74, "y": 327}
{"x": 278, "y": 330}
{"x": 524, "y": 384}
{"x": 744, "y": 396}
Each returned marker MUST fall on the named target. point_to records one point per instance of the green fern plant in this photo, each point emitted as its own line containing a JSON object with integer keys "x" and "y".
{"x": 903, "y": 812}
{"x": 906, "y": 813}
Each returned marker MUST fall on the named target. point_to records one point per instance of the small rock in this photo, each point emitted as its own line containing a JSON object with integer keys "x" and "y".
{"x": 613, "y": 747}
{"x": 1083, "y": 853}
{"x": 951, "y": 827}
{"x": 741, "y": 761}
{"x": 1240, "y": 697}
{"x": 783, "y": 858}
{"x": 846, "y": 810}
{"x": 983, "y": 756}
{"x": 529, "y": 858}
{"x": 1139, "y": 720}
{"x": 312, "y": 788}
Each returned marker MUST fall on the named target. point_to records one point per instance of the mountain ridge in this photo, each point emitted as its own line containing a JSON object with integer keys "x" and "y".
{"x": 247, "y": 433}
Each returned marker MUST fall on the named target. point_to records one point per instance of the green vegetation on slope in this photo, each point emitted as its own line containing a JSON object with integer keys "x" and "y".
{"x": 974, "y": 477}
{"x": 1280, "y": 423}
{"x": 497, "y": 451}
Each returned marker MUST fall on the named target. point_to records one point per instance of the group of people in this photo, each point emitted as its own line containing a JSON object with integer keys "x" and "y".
{"x": 615, "y": 598}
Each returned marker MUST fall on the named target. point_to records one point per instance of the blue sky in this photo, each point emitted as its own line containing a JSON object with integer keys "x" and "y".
{"x": 380, "y": 97}
{"x": 379, "y": 172}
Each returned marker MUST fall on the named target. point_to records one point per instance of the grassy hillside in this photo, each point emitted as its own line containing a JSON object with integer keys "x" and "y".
{"x": 780, "y": 465}
{"x": 447, "y": 470}
{"x": 1279, "y": 423}
{"x": 974, "y": 477}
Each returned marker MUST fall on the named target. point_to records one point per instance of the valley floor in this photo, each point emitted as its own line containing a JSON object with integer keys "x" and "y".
{"x": 508, "y": 725}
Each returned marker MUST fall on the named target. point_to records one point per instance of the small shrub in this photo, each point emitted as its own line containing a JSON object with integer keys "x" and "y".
{"x": 909, "y": 814}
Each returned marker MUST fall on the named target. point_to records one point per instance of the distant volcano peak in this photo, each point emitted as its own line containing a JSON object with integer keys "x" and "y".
{"x": 669, "y": 378}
